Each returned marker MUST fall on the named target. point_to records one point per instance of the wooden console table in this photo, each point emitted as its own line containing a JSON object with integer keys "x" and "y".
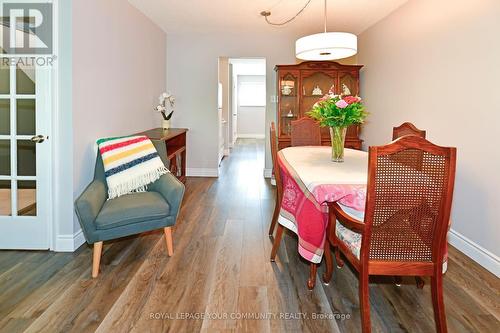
{"x": 175, "y": 141}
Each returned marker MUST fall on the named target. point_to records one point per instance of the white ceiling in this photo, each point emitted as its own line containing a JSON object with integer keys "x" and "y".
{"x": 185, "y": 16}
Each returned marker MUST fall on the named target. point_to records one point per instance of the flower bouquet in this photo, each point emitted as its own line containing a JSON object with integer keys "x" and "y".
{"x": 338, "y": 113}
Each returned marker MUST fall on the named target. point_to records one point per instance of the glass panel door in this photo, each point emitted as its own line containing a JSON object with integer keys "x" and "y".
{"x": 25, "y": 156}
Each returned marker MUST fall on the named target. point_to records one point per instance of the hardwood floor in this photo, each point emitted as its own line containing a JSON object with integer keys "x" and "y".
{"x": 221, "y": 268}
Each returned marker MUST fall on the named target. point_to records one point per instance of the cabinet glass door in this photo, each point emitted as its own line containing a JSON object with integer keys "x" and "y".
{"x": 348, "y": 84}
{"x": 288, "y": 101}
{"x": 314, "y": 86}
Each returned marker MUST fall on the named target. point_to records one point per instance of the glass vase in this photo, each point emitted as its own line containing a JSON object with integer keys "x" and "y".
{"x": 337, "y": 134}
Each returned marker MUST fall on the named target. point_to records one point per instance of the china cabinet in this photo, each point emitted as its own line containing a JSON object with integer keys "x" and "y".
{"x": 302, "y": 85}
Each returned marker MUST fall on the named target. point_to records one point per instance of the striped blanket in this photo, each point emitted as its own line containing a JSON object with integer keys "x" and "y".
{"x": 130, "y": 164}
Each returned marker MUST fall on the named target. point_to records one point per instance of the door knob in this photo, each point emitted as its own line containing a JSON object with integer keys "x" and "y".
{"x": 38, "y": 138}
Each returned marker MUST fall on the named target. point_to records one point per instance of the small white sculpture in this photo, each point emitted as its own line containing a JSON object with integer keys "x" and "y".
{"x": 345, "y": 90}
{"x": 286, "y": 90}
{"x": 317, "y": 91}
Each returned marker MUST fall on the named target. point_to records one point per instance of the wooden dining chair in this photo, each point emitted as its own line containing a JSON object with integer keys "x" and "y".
{"x": 305, "y": 132}
{"x": 277, "y": 177}
{"x": 406, "y": 129}
{"x": 405, "y": 220}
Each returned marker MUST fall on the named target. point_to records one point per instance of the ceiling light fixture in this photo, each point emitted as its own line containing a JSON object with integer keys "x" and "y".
{"x": 324, "y": 45}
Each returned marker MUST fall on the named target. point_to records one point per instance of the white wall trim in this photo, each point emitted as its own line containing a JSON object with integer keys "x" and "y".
{"x": 268, "y": 173}
{"x": 69, "y": 243}
{"x": 202, "y": 172}
{"x": 251, "y": 136}
{"x": 483, "y": 257}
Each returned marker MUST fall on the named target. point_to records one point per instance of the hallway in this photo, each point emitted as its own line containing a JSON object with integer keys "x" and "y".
{"x": 219, "y": 273}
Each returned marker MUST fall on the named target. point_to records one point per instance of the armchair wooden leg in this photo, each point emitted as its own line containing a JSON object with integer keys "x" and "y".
{"x": 96, "y": 259}
{"x": 438, "y": 302}
{"x": 364, "y": 302}
{"x": 277, "y": 241}
{"x": 168, "y": 239}
{"x": 276, "y": 214}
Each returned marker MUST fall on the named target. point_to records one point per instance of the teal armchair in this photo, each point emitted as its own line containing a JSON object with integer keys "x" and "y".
{"x": 102, "y": 219}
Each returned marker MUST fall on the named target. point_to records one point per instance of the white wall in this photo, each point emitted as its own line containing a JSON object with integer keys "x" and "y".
{"x": 118, "y": 74}
{"x": 251, "y": 121}
{"x": 436, "y": 63}
{"x": 192, "y": 77}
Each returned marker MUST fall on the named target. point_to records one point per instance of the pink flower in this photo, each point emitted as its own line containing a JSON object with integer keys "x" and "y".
{"x": 341, "y": 104}
{"x": 351, "y": 99}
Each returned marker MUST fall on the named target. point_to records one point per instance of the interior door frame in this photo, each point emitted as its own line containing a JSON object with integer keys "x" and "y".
{"x": 49, "y": 76}
{"x": 55, "y": 125}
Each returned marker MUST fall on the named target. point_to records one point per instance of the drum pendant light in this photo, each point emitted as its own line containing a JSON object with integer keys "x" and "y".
{"x": 326, "y": 45}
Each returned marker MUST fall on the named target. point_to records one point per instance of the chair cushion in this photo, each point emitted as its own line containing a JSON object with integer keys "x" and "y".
{"x": 350, "y": 238}
{"x": 132, "y": 208}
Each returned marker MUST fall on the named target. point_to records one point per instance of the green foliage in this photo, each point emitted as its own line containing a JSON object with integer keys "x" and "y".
{"x": 328, "y": 114}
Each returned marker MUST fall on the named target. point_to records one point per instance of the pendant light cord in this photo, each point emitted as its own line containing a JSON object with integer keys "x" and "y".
{"x": 266, "y": 15}
{"x": 325, "y": 16}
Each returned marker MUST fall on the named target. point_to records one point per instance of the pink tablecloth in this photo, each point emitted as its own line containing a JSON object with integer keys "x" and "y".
{"x": 310, "y": 179}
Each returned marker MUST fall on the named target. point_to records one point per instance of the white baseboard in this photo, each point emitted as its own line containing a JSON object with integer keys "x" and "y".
{"x": 483, "y": 257}
{"x": 268, "y": 173}
{"x": 69, "y": 242}
{"x": 227, "y": 151}
{"x": 202, "y": 172}
{"x": 251, "y": 136}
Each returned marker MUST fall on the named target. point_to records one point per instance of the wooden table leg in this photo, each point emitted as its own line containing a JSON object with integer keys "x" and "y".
{"x": 312, "y": 276}
{"x": 420, "y": 282}
{"x": 327, "y": 276}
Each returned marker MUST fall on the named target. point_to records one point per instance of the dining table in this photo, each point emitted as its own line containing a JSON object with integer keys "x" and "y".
{"x": 311, "y": 180}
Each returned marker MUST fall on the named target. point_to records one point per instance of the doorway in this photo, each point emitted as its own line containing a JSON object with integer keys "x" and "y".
{"x": 248, "y": 98}
{"x": 241, "y": 102}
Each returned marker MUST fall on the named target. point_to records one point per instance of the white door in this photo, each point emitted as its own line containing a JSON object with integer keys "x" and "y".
{"x": 234, "y": 114}
{"x": 25, "y": 155}
{"x": 221, "y": 135}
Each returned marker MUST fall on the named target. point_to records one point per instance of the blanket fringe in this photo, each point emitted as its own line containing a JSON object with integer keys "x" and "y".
{"x": 137, "y": 184}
